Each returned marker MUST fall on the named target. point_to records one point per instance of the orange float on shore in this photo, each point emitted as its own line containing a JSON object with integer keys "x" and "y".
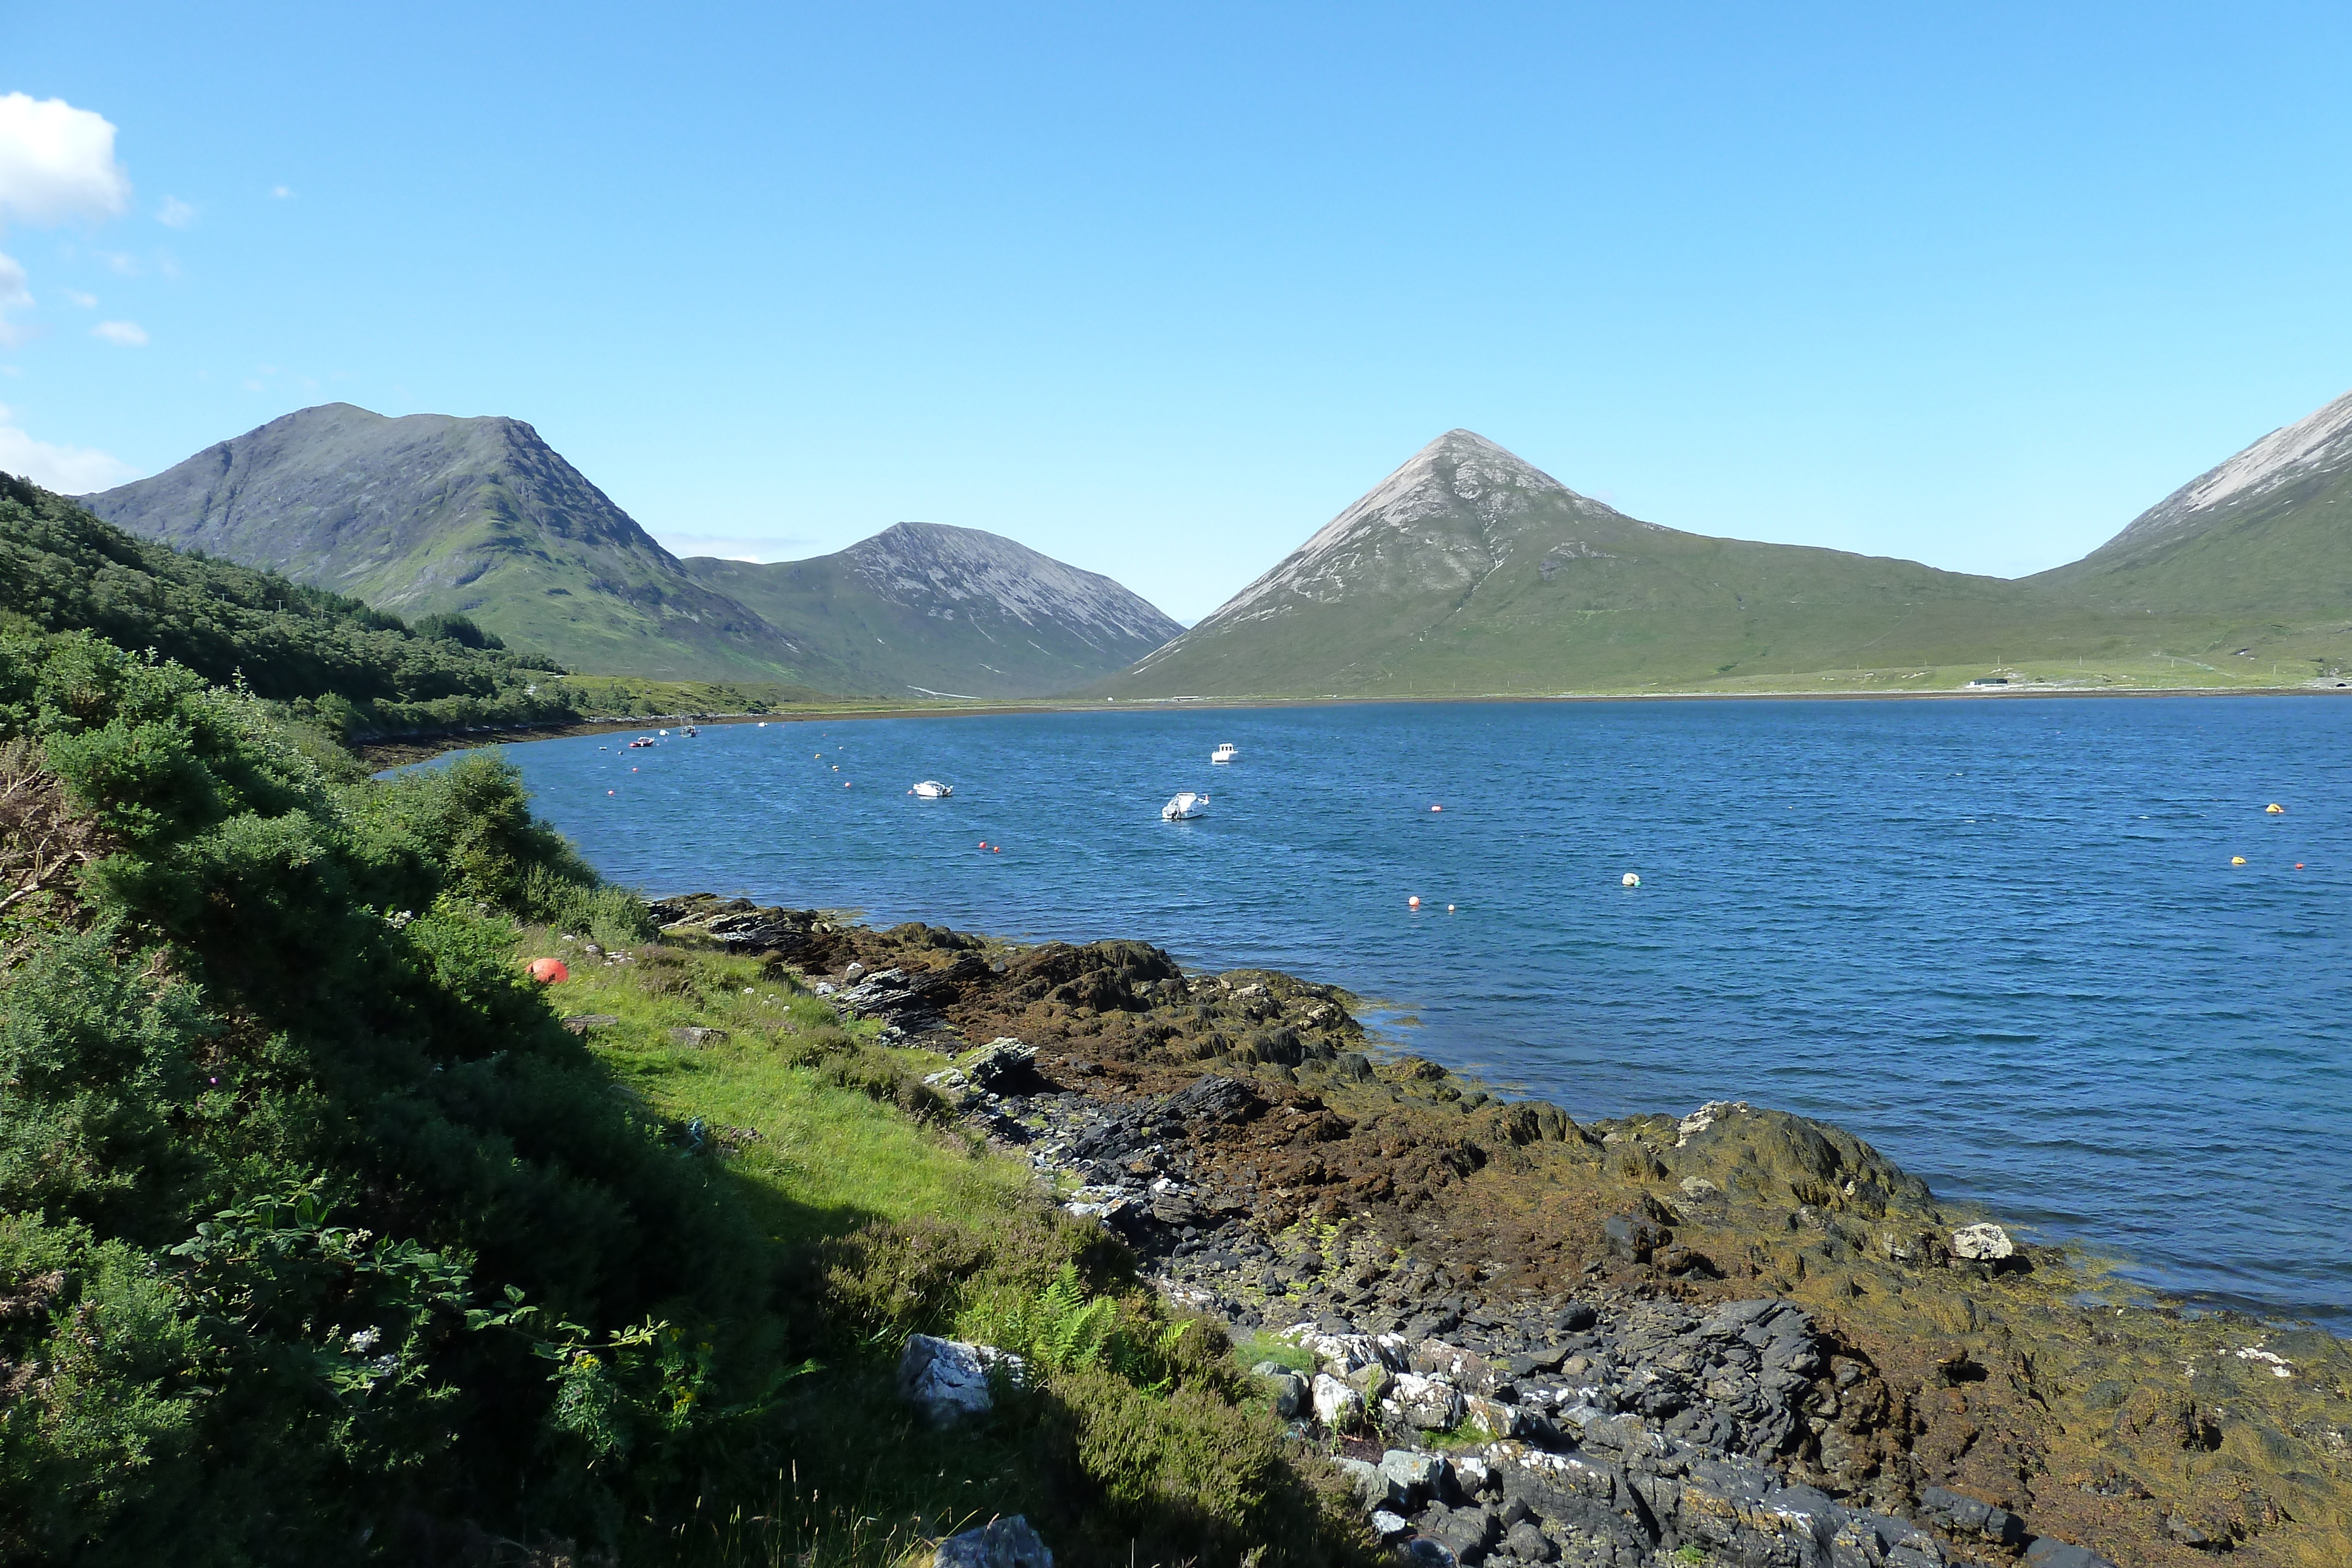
{"x": 549, "y": 971}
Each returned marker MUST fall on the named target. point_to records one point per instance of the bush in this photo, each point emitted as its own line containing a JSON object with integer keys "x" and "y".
{"x": 317, "y": 1224}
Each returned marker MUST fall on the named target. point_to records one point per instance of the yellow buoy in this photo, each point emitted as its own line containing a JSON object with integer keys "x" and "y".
{"x": 2237, "y": 860}
{"x": 2275, "y": 809}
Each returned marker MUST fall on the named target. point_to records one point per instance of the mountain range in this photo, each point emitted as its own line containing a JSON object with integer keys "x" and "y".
{"x": 429, "y": 514}
{"x": 1466, "y": 571}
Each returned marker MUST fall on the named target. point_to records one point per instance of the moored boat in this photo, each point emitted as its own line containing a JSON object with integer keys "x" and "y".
{"x": 1183, "y": 808}
{"x": 1224, "y": 753}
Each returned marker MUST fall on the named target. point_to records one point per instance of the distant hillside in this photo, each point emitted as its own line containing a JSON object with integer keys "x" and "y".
{"x": 64, "y": 570}
{"x": 920, "y": 609}
{"x": 1469, "y": 569}
{"x": 2267, "y": 534}
{"x": 477, "y": 517}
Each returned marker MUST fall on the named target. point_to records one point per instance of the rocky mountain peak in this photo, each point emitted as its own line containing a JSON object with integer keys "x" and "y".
{"x": 927, "y": 566}
{"x": 1441, "y": 521}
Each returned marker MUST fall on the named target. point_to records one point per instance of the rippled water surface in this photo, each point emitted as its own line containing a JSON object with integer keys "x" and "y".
{"x": 2002, "y": 939}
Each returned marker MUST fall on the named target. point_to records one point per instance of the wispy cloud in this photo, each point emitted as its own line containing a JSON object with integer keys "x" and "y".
{"x": 73, "y": 470}
{"x": 76, "y": 296}
{"x": 56, "y": 162}
{"x": 127, "y": 334}
{"x": 175, "y": 214}
{"x": 283, "y": 192}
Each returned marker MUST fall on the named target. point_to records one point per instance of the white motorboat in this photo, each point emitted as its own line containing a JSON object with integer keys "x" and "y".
{"x": 1185, "y": 807}
{"x": 1225, "y": 753}
{"x": 932, "y": 789}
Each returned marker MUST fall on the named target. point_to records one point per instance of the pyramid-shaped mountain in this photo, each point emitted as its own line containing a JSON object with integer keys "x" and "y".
{"x": 1470, "y": 570}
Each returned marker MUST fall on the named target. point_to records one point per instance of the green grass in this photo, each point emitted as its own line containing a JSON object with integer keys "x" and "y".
{"x": 827, "y": 1159}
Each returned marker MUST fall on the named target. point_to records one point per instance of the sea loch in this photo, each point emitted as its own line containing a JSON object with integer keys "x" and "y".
{"x": 2004, "y": 939}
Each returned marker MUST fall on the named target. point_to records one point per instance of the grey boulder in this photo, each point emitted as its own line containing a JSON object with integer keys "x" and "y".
{"x": 999, "y": 1543}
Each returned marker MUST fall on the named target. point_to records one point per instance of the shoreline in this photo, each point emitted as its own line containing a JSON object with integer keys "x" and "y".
{"x": 401, "y": 751}
{"x": 1237, "y": 1131}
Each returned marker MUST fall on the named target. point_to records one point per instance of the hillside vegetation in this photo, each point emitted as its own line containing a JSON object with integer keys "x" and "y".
{"x": 322, "y": 1239}
{"x": 359, "y": 670}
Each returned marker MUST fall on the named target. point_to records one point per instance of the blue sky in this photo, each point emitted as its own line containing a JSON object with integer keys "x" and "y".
{"x": 1159, "y": 289}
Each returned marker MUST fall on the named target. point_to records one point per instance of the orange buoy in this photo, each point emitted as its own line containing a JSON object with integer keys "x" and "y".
{"x": 1437, "y": 808}
{"x": 2298, "y": 865}
{"x": 1413, "y": 903}
{"x": 997, "y": 849}
{"x": 612, "y": 791}
{"x": 548, "y": 971}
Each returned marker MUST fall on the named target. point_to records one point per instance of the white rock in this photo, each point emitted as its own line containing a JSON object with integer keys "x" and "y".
{"x": 1346, "y": 1352}
{"x": 947, "y": 1379}
{"x": 1986, "y": 1243}
{"x": 1426, "y": 1403}
{"x": 1337, "y": 1406}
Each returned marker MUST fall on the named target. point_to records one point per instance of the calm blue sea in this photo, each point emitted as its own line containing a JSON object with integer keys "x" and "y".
{"x": 2002, "y": 940}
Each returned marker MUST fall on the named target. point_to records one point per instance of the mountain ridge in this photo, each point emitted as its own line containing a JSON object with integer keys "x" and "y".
{"x": 480, "y": 517}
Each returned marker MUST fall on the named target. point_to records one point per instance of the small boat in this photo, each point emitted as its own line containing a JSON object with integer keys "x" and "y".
{"x": 1184, "y": 807}
{"x": 689, "y": 732}
{"x": 932, "y": 789}
{"x": 1224, "y": 753}
{"x": 641, "y": 740}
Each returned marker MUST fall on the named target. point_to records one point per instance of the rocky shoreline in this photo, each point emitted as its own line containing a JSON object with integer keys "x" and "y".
{"x": 1733, "y": 1336}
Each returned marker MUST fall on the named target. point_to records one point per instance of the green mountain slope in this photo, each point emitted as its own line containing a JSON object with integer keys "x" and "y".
{"x": 923, "y": 610}
{"x": 1470, "y": 570}
{"x": 475, "y": 516}
{"x": 2267, "y": 534}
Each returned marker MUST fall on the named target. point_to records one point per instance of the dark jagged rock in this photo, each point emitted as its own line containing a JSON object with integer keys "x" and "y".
{"x": 739, "y": 926}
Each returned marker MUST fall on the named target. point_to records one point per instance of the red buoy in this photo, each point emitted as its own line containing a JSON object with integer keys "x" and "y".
{"x": 548, "y": 971}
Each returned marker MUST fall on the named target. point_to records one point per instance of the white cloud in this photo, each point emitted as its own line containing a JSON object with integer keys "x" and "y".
{"x": 121, "y": 263}
{"x": 127, "y": 334}
{"x": 56, "y": 162}
{"x": 175, "y": 214}
{"x": 87, "y": 301}
{"x": 14, "y": 296}
{"x": 283, "y": 192}
{"x": 73, "y": 470}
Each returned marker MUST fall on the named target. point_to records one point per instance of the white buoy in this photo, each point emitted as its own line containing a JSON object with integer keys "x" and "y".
{"x": 1631, "y": 880}
{"x": 1449, "y": 909}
